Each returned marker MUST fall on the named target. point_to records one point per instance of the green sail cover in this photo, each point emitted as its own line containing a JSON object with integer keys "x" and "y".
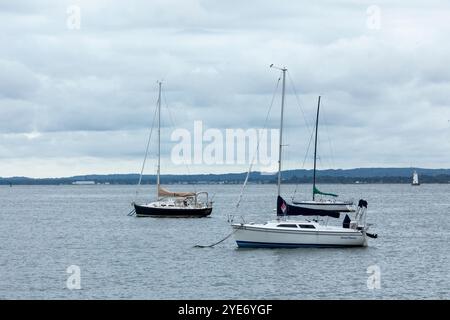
{"x": 317, "y": 191}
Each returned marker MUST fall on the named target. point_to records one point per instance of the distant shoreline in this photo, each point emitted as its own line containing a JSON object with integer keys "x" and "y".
{"x": 213, "y": 184}
{"x": 301, "y": 176}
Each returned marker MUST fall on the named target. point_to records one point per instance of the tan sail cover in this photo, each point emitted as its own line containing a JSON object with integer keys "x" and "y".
{"x": 162, "y": 192}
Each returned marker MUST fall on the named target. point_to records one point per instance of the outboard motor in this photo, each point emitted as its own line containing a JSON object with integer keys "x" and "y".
{"x": 362, "y": 203}
{"x": 361, "y": 214}
{"x": 361, "y": 210}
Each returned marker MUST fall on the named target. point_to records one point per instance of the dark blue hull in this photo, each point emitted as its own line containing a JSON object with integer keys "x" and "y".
{"x": 251, "y": 244}
{"x": 144, "y": 211}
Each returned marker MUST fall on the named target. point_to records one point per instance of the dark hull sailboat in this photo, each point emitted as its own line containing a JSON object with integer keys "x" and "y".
{"x": 175, "y": 205}
{"x": 171, "y": 204}
{"x": 167, "y": 212}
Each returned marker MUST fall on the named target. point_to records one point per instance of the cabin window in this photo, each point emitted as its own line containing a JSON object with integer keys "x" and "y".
{"x": 285, "y": 225}
{"x": 306, "y": 226}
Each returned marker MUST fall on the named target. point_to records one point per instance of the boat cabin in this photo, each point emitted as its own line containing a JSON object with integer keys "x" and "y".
{"x": 296, "y": 226}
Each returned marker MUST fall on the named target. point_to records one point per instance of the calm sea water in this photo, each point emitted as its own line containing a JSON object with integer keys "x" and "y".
{"x": 46, "y": 229}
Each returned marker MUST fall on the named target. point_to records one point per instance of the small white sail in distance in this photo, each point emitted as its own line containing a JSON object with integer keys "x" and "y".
{"x": 415, "y": 181}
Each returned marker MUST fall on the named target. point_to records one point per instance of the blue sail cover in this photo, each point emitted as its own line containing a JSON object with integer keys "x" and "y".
{"x": 286, "y": 209}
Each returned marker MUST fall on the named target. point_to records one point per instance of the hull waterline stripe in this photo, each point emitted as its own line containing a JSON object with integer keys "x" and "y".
{"x": 251, "y": 244}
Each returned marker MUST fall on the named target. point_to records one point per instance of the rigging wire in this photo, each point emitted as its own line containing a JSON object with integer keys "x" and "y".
{"x": 307, "y": 127}
{"x": 330, "y": 144}
{"x": 146, "y": 151}
{"x": 331, "y": 162}
{"x": 304, "y": 161}
{"x": 298, "y": 101}
{"x": 171, "y": 118}
{"x": 230, "y": 217}
{"x": 258, "y": 142}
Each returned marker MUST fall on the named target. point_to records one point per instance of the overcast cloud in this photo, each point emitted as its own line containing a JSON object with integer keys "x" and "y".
{"x": 77, "y": 101}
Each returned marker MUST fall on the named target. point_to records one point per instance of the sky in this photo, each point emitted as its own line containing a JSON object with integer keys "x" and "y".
{"x": 78, "y": 81}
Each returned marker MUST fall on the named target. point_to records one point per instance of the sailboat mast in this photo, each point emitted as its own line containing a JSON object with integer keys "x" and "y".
{"x": 159, "y": 140}
{"x": 315, "y": 150}
{"x": 281, "y": 131}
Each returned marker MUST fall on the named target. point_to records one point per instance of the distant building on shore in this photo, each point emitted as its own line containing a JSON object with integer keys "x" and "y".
{"x": 83, "y": 182}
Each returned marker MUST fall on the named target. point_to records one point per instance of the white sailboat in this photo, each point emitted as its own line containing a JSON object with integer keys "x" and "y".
{"x": 289, "y": 233}
{"x": 170, "y": 204}
{"x": 415, "y": 180}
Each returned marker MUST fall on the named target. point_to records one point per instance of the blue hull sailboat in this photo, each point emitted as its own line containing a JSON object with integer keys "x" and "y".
{"x": 285, "y": 232}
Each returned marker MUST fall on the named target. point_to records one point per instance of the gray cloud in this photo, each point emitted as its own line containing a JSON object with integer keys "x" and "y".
{"x": 87, "y": 96}
{"x": 16, "y": 80}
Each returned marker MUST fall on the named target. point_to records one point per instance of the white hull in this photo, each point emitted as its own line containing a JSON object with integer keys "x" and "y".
{"x": 269, "y": 235}
{"x": 326, "y": 205}
{"x": 292, "y": 234}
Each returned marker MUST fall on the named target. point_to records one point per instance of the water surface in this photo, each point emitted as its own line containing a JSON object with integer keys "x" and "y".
{"x": 45, "y": 229}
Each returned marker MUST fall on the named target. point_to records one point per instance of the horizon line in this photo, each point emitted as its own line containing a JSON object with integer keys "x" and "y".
{"x": 216, "y": 174}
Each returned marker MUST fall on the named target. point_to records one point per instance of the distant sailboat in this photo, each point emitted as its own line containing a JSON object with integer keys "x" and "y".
{"x": 171, "y": 204}
{"x": 415, "y": 180}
